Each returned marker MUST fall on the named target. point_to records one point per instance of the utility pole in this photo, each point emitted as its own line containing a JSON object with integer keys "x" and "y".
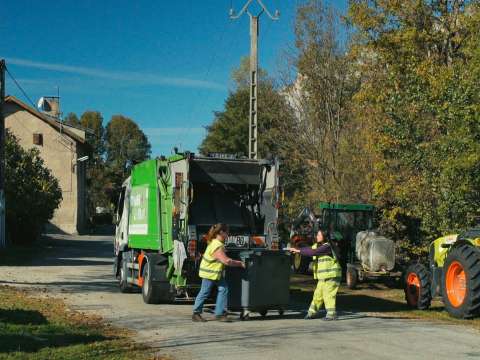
{"x": 254, "y": 32}
{"x": 3, "y": 240}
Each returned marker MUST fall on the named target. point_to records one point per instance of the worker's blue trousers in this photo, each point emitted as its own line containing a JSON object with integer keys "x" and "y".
{"x": 205, "y": 290}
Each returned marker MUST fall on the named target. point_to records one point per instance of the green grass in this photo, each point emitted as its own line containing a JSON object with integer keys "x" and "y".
{"x": 376, "y": 299}
{"x": 43, "y": 328}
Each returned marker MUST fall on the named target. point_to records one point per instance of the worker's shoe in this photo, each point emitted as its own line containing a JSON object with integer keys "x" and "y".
{"x": 196, "y": 317}
{"x": 330, "y": 318}
{"x": 222, "y": 318}
{"x": 310, "y": 316}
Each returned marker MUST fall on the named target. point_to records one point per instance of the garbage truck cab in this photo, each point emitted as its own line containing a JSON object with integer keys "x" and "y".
{"x": 167, "y": 206}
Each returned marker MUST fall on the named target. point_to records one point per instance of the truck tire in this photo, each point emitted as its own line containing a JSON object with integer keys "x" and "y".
{"x": 124, "y": 286}
{"x": 300, "y": 264}
{"x": 417, "y": 287}
{"x": 154, "y": 292}
{"x": 461, "y": 282}
{"x": 351, "y": 277}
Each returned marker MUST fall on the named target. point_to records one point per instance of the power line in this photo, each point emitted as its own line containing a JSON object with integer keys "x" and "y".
{"x": 21, "y": 89}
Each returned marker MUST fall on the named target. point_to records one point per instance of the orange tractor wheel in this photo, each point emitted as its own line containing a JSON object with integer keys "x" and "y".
{"x": 461, "y": 282}
{"x": 418, "y": 287}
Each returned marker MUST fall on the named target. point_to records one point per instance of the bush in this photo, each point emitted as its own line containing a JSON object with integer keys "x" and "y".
{"x": 32, "y": 192}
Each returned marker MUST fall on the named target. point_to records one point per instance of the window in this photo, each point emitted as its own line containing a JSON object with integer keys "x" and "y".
{"x": 38, "y": 139}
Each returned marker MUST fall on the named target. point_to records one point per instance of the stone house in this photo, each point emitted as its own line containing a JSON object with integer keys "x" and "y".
{"x": 61, "y": 147}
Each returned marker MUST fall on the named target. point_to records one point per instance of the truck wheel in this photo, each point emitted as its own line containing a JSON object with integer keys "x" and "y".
{"x": 154, "y": 292}
{"x": 417, "y": 287}
{"x": 124, "y": 286}
{"x": 150, "y": 292}
{"x": 461, "y": 282}
{"x": 351, "y": 277}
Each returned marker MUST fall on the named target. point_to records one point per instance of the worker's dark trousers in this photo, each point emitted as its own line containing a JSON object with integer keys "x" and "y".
{"x": 206, "y": 289}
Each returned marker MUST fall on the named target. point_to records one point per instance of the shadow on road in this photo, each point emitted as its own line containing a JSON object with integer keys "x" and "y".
{"x": 300, "y": 299}
{"x": 68, "y": 254}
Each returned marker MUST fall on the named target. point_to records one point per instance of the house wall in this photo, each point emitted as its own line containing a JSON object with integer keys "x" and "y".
{"x": 60, "y": 154}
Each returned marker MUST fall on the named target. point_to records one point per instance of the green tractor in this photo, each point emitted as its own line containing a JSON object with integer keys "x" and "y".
{"x": 364, "y": 253}
{"x": 453, "y": 273}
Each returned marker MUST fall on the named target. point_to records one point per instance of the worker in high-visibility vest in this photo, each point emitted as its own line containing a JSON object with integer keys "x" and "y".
{"x": 327, "y": 270}
{"x": 212, "y": 265}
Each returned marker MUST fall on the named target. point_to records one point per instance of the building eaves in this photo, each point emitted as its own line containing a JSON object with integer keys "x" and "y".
{"x": 48, "y": 119}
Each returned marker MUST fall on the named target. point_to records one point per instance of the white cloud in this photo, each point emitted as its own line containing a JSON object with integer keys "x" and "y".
{"x": 127, "y": 76}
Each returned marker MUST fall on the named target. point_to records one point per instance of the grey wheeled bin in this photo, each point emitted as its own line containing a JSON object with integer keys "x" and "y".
{"x": 264, "y": 284}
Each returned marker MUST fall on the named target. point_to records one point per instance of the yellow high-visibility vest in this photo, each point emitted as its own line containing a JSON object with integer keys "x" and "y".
{"x": 211, "y": 268}
{"x": 326, "y": 267}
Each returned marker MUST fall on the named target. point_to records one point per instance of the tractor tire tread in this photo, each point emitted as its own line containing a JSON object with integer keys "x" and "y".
{"x": 425, "y": 297}
{"x": 469, "y": 257}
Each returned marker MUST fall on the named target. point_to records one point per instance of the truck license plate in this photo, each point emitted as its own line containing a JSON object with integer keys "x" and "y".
{"x": 237, "y": 241}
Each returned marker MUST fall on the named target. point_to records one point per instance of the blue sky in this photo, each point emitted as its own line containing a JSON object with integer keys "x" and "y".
{"x": 165, "y": 64}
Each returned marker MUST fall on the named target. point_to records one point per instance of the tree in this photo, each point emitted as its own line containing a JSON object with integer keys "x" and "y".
{"x": 93, "y": 122}
{"x": 97, "y": 177}
{"x": 324, "y": 142}
{"x": 32, "y": 192}
{"x": 419, "y": 98}
{"x": 126, "y": 145}
{"x": 71, "y": 119}
{"x": 229, "y": 131}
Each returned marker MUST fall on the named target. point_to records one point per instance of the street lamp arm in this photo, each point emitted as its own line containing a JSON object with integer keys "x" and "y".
{"x": 276, "y": 16}
{"x": 245, "y": 10}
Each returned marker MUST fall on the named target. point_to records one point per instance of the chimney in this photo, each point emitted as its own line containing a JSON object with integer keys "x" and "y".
{"x": 50, "y": 105}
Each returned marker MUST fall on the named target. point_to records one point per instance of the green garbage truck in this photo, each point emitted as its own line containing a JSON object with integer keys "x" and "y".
{"x": 168, "y": 204}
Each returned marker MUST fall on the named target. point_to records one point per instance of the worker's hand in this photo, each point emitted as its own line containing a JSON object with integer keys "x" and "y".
{"x": 294, "y": 250}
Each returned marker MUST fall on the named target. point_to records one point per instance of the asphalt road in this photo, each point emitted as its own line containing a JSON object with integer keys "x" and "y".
{"x": 79, "y": 270}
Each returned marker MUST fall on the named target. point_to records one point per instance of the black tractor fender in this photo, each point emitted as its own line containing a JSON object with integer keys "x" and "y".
{"x": 459, "y": 243}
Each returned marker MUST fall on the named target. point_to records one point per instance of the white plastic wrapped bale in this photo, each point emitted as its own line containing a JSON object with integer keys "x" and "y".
{"x": 375, "y": 252}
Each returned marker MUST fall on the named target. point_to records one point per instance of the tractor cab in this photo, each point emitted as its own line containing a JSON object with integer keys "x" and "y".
{"x": 343, "y": 222}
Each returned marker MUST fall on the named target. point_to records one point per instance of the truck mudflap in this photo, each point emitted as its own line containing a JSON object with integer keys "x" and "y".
{"x": 159, "y": 266}
{"x": 156, "y": 287}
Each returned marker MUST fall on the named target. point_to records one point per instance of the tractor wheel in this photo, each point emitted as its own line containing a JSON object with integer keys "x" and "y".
{"x": 461, "y": 282}
{"x": 124, "y": 286}
{"x": 351, "y": 277}
{"x": 301, "y": 263}
{"x": 417, "y": 287}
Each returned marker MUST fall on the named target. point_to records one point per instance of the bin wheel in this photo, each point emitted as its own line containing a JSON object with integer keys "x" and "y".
{"x": 263, "y": 312}
{"x": 244, "y": 315}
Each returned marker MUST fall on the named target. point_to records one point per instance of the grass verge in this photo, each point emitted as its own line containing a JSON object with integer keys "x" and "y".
{"x": 44, "y": 328}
